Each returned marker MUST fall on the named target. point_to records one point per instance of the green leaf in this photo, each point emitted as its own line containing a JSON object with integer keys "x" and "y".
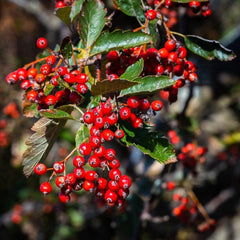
{"x": 76, "y": 8}
{"x": 64, "y": 15}
{"x": 153, "y": 31}
{"x": 91, "y": 21}
{"x": 150, "y": 143}
{"x": 66, "y": 48}
{"x": 131, "y": 8}
{"x": 148, "y": 84}
{"x": 82, "y": 135}
{"x": 208, "y": 49}
{"x": 133, "y": 71}
{"x": 40, "y": 143}
{"x": 56, "y": 113}
{"x": 118, "y": 40}
{"x": 106, "y": 86}
{"x": 188, "y": 1}
{"x": 48, "y": 89}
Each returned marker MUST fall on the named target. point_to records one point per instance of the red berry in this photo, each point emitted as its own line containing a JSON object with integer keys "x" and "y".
{"x": 88, "y": 186}
{"x": 88, "y": 117}
{"x": 114, "y": 164}
{"x": 25, "y": 84}
{"x": 110, "y": 196}
{"x": 113, "y": 185}
{"x": 79, "y": 173}
{"x": 60, "y": 181}
{"x": 31, "y": 73}
{"x": 50, "y": 100}
{"x": 192, "y": 77}
{"x": 94, "y": 161}
{"x": 45, "y": 69}
{"x": 45, "y": 188}
{"x": 123, "y": 192}
{"x": 137, "y": 123}
{"x": 70, "y": 179}
{"x": 78, "y": 161}
{"x": 112, "y": 56}
{"x": 40, "y": 78}
{"x": 58, "y": 167}
{"x": 133, "y": 102}
{"x": 163, "y": 53}
{"x": 51, "y": 60}
{"x": 82, "y": 88}
{"x": 115, "y": 174}
{"x": 62, "y": 71}
{"x": 21, "y": 74}
{"x": 99, "y": 122}
{"x": 75, "y": 98}
{"x": 100, "y": 152}
{"x": 156, "y": 105}
{"x": 125, "y": 113}
{"x": 82, "y": 78}
{"x": 125, "y": 182}
{"x": 32, "y": 95}
{"x": 40, "y": 169}
{"x": 106, "y": 108}
{"x": 95, "y": 141}
{"x": 119, "y": 134}
{"x": 85, "y": 149}
{"x": 110, "y": 154}
{"x": 102, "y": 183}
{"x": 108, "y": 135}
{"x": 91, "y": 175}
{"x": 42, "y": 43}
{"x": 65, "y": 198}
{"x": 144, "y": 104}
{"x": 170, "y": 45}
{"x": 170, "y": 185}
{"x": 182, "y": 52}
{"x": 151, "y": 14}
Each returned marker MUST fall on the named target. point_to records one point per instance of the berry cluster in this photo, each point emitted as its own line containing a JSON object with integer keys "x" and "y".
{"x": 36, "y": 84}
{"x": 169, "y": 60}
{"x": 166, "y": 10}
{"x": 191, "y": 154}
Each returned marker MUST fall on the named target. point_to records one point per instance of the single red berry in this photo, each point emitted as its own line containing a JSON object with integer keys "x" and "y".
{"x": 25, "y": 84}
{"x": 108, "y": 135}
{"x": 111, "y": 119}
{"x": 102, "y": 183}
{"x": 79, "y": 173}
{"x": 195, "y": 6}
{"x": 51, "y": 60}
{"x": 40, "y": 169}
{"x": 172, "y": 57}
{"x": 64, "y": 198}
{"x": 45, "y": 69}
{"x": 85, "y": 149}
{"x": 82, "y": 88}
{"x": 110, "y": 154}
{"x": 170, "y": 45}
{"x": 94, "y": 131}
{"x": 50, "y": 100}
{"x": 192, "y": 77}
{"x": 182, "y": 52}
{"x": 91, "y": 175}
{"x": 69, "y": 78}
{"x": 119, "y": 134}
{"x": 60, "y": 181}
{"x": 99, "y": 122}
{"x": 137, "y": 123}
{"x": 45, "y": 188}
{"x": 114, "y": 164}
{"x": 115, "y": 174}
{"x": 163, "y": 53}
{"x": 125, "y": 182}
{"x": 21, "y": 74}
{"x": 113, "y": 185}
{"x": 32, "y": 96}
{"x": 151, "y": 14}
{"x": 177, "y": 211}
{"x": 42, "y": 43}
{"x": 58, "y": 167}
{"x": 82, "y": 78}
{"x": 170, "y": 185}
{"x": 40, "y": 78}
{"x": 144, "y": 104}
{"x": 178, "y": 70}
{"x": 32, "y": 73}
{"x": 95, "y": 141}
{"x": 61, "y": 96}
{"x": 159, "y": 69}
{"x": 157, "y": 105}
{"x": 100, "y": 151}
{"x": 123, "y": 192}
{"x": 75, "y": 98}
{"x": 106, "y": 108}
{"x": 70, "y": 179}
{"x": 94, "y": 161}
{"x": 133, "y": 102}
{"x": 78, "y": 161}
{"x": 89, "y": 117}
{"x": 110, "y": 196}
{"x": 125, "y": 113}
{"x": 88, "y": 186}
{"x": 11, "y": 78}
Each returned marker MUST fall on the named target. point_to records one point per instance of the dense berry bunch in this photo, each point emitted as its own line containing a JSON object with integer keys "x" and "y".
{"x": 167, "y": 10}
{"x": 169, "y": 60}
{"x": 46, "y": 85}
{"x": 191, "y": 154}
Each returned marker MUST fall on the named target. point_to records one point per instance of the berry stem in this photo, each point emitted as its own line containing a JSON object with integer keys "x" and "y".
{"x": 200, "y": 207}
{"x": 177, "y": 33}
{"x": 69, "y": 155}
{"x": 34, "y": 62}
